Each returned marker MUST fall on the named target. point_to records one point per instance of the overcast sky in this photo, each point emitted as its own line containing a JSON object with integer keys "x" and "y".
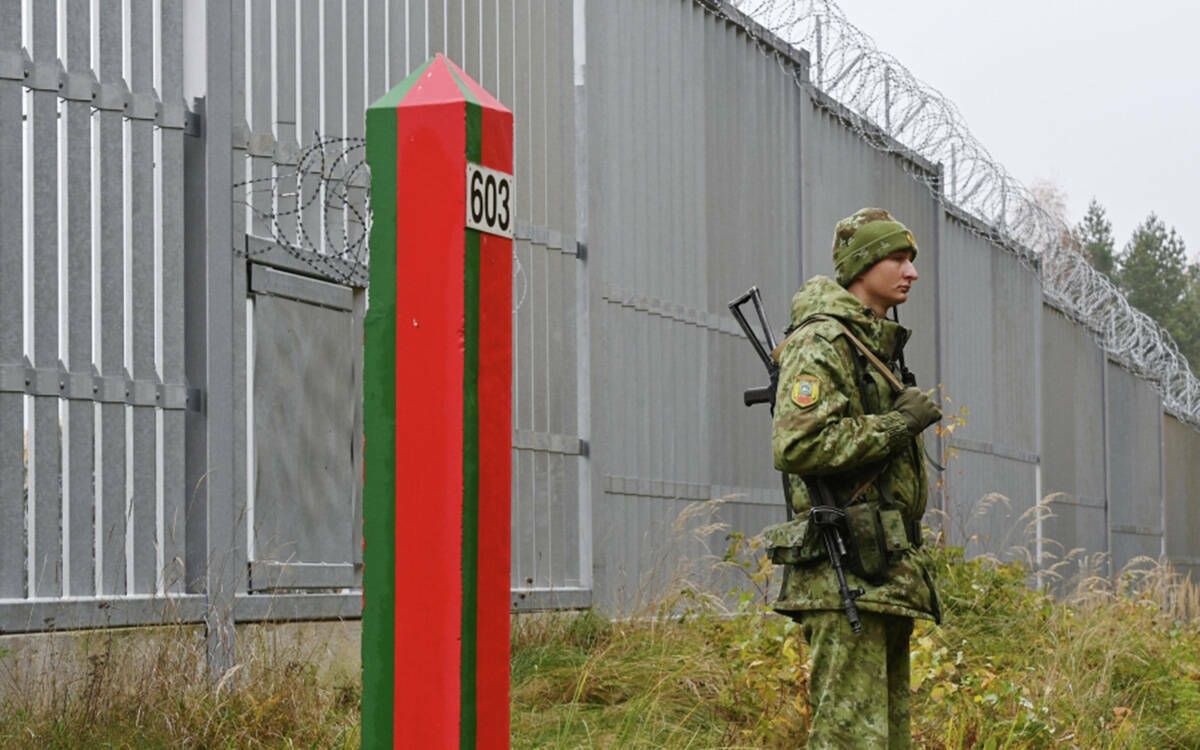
{"x": 1101, "y": 98}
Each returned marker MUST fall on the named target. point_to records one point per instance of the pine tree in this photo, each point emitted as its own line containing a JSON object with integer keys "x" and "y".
{"x": 1184, "y": 325}
{"x": 1095, "y": 232}
{"x": 1152, "y": 269}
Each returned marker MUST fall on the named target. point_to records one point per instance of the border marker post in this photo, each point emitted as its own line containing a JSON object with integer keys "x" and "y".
{"x": 437, "y": 415}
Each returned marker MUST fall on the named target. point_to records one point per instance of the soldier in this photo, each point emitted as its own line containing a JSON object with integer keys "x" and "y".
{"x": 839, "y": 422}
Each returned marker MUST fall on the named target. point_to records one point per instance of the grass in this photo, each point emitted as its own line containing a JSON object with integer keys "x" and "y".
{"x": 147, "y": 688}
{"x": 1106, "y": 663}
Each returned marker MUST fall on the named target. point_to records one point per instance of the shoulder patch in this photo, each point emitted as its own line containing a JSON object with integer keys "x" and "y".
{"x": 806, "y": 390}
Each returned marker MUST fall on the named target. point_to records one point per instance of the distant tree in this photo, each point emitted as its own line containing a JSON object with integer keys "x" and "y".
{"x": 1152, "y": 269}
{"x": 1053, "y": 200}
{"x": 1184, "y": 325}
{"x": 1095, "y": 232}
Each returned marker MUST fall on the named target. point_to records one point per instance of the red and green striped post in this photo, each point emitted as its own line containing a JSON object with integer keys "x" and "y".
{"x": 437, "y": 416}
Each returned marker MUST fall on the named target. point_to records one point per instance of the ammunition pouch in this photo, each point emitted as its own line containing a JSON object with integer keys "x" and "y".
{"x": 875, "y": 538}
{"x": 794, "y": 542}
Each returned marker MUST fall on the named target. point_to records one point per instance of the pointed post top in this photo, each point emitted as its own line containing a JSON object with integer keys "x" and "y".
{"x": 437, "y": 81}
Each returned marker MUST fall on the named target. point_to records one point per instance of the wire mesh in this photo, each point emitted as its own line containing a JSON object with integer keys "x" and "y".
{"x": 895, "y": 112}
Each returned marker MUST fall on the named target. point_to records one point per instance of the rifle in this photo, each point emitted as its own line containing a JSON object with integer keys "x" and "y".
{"x": 824, "y": 514}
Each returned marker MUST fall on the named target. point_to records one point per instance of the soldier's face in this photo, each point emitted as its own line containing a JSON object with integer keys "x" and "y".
{"x": 888, "y": 282}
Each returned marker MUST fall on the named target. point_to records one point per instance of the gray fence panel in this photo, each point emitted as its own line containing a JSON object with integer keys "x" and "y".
{"x": 967, "y": 335}
{"x": 1134, "y": 412}
{"x": 259, "y": 114}
{"x": 453, "y": 30}
{"x": 141, "y": 354}
{"x": 1073, "y": 469}
{"x": 287, "y": 133}
{"x": 44, "y": 446}
{"x": 385, "y": 22}
{"x": 991, "y": 339}
{"x": 357, "y": 57}
{"x": 231, "y": 561}
{"x": 416, "y": 49}
{"x": 260, "y": 512}
{"x": 12, "y": 303}
{"x": 310, "y": 93}
{"x": 175, "y": 494}
{"x": 547, "y": 455}
{"x": 987, "y": 509}
{"x": 472, "y": 29}
{"x": 79, "y": 536}
{"x": 684, "y": 215}
{"x": 111, "y": 454}
{"x": 195, "y": 263}
{"x": 304, "y": 482}
{"x": 492, "y": 25}
{"x": 435, "y": 28}
{"x": 1181, "y": 447}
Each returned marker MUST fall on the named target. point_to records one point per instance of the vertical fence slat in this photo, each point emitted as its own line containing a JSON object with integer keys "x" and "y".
{"x": 142, "y": 305}
{"x": 356, "y": 79}
{"x": 435, "y": 28}
{"x": 355, "y": 108}
{"x": 45, "y": 451}
{"x": 471, "y": 43}
{"x": 259, "y": 114}
{"x": 310, "y": 101}
{"x": 257, "y": 60}
{"x": 285, "y": 111}
{"x": 417, "y": 47}
{"x": 490, "y": 67}
{"x": 333, "y": 95}
{"x": 235, "y": 558}
{"x": 454, "y": 31}
{"x": 112, "y": 454}
{"x": 12, "y": 503}
{"x": 175, "y": 495}
{"x": 79, "y": 463}
{"x": 380, "y": 22}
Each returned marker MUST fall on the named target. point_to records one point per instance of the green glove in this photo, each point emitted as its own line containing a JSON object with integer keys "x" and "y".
{"x": 917, "y": 408}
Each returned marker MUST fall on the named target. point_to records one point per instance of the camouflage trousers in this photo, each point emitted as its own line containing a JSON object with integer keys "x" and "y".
{"x": 859, "y": 685}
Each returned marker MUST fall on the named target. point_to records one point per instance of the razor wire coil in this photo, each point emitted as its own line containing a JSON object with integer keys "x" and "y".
{"x": 318, "y": 211}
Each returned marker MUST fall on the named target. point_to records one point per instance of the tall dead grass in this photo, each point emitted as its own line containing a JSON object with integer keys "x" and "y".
{"x": 148, "y": 688}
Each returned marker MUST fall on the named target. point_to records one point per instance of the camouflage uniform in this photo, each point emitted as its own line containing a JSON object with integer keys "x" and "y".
{"x": 829, "y": 423}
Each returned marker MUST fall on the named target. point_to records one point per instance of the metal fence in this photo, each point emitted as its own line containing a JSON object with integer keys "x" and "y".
{"x": 179, "y": 374}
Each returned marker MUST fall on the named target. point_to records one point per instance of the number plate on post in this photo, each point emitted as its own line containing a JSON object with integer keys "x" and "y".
{"x": 489, "y": 201}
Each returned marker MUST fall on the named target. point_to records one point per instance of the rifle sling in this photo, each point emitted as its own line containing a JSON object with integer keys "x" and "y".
{"x": 877, "y": 363}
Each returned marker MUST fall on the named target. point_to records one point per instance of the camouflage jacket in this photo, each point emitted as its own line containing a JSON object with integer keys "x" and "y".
{"x": 828, "y": 423}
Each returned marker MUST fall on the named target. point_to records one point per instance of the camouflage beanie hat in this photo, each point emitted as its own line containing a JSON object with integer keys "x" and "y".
{"x": 862, "y": 240}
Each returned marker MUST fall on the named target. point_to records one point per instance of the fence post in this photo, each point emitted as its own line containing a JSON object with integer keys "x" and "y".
{"x": 437, "y": 415}
{"x": 220, "y": 571}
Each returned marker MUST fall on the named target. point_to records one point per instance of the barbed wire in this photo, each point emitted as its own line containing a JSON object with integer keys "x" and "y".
{"x": 895, "y": 112}
{"x": 319, "y": 210}
{"x": 329, "y": 187}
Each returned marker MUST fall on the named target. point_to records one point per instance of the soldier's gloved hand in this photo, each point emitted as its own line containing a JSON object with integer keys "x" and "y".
{"x": 917, "y": 408}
